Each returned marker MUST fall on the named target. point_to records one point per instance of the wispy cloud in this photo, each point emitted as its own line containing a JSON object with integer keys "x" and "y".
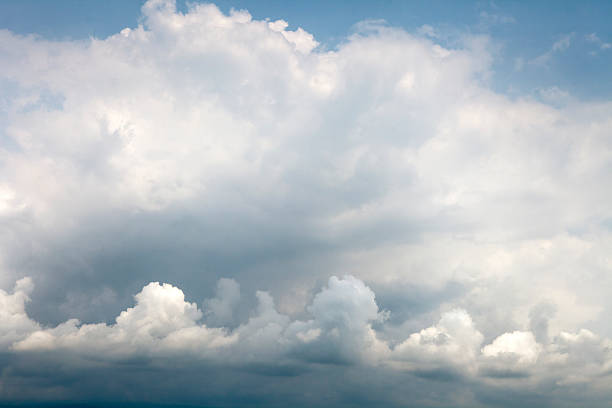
{"x": 601, "y": 45}
{"x": 559, "y": 46}
{"x": 486, "y": 19}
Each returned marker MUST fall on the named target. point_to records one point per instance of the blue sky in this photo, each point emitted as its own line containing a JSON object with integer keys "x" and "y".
{"x": 305, "y": 204}
{"x": 522, "y": 30}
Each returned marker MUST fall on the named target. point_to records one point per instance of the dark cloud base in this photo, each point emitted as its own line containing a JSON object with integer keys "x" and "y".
{"x": 219, "y": 387}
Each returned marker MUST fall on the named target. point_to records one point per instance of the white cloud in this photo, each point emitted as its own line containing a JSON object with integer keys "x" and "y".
{"x": 302, "y": 41}
{"x": 488, "y": 20}
{"x": 15, "y": 322}
{"x": 162, "y": 323}
{"x": 518, "y": 345}
{"x": 201, "y": 143}
{"x": 343, "y": 313}
{"x": 453, "y": 343}
{"x": 602, "y": 45}
{"x": 561, "y": 45}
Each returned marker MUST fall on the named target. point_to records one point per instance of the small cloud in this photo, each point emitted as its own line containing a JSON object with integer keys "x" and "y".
{"x": 369, "y": 26}
{"x": 427, "y": 31}
{"x": 554, "y": 96}
{"x": 594, "y": 38}
{"x": 541, "y": 60}
{"x": 562, "y": 44}
{"x": 486, "y": 20}
{"x": 517, "y": 347}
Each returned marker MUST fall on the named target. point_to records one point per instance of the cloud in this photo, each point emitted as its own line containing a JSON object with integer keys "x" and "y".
{"x": 452, "y": 344}
{"x": 561, "y": 45}
{"x": 486, "y": 20}
{"x": 302, "y": 41}
{"x": 199, "y": 145}
{"x": 160, "y": 320}
{"x": 15, "y": 321}
{"x": 519, "y": 346}
{"x": 162, "y": 326}
{"x": 539, "y": 316}
{"x": 343, "y": 313}
{"x": 594, "y": 39}
{"x": 220, "y": 309}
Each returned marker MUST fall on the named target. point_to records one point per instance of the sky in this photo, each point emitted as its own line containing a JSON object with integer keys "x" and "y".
{"x": 309, "y": 204}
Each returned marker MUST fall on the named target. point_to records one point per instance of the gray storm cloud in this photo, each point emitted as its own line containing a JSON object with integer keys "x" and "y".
{"x": 231, "y": 156}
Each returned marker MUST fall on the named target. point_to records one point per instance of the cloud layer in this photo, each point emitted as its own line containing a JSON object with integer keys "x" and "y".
{"x": 162, "y": 326}
{"x": 198, "y": 146}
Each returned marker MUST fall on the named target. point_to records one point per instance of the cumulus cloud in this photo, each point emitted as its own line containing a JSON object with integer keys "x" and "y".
{"x": 220, "y": 309}
{"x": 160, "y": 320}
{"x": 343, "y": 314}
{"x": 15, "y": 321}
{"x": 162, "y": 325}
{"x": 199, "y": 145}
{"x": 452, "y": 344}
{"x": 519, "y": 346}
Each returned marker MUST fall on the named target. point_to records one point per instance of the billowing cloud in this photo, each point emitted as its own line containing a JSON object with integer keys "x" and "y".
{"x": 220, "y": 309}
{"x": 471, "y": 230}
{"x": 452, "y": 344}
{"x": 160, "y": 320}
{"x": 15, "y": 321}
{"x": 163, "y": 325}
